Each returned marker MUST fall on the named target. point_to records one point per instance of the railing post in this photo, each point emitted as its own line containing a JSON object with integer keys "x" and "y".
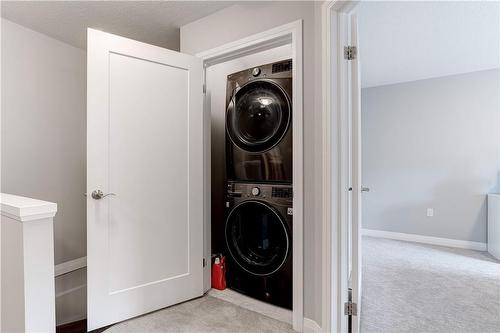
{"x": 27, "y": 254}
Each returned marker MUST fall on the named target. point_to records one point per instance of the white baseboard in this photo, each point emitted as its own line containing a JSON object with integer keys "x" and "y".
{"x": 310, "y": 326}
{"x": 252, "y": 304}
{"x": 426, "y": 239}
{"x": 71, "y": 305}
{"x": 71, "y": 291}
{"x": 70, "y": 266}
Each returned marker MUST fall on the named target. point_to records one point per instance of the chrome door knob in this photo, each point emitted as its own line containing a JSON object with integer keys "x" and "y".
{"x": 98, "y": 194}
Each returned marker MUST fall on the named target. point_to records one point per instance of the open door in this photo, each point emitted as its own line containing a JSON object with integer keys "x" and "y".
{"x": 353, "y": 308}
{"x": 144, "y": 178}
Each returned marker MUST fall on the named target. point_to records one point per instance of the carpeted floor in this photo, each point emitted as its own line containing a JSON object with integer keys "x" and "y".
{"x": 417, "y": 288}
{"x": 407, "y": 287}
{"x": 202, "y": 315}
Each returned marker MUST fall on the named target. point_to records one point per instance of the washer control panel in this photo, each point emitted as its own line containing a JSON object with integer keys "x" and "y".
{"x": 244, "y": 191}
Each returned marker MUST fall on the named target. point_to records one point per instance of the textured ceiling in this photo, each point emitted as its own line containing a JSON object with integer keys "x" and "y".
{"x": 408, "y": 41}
{"x": 153, "y": 22}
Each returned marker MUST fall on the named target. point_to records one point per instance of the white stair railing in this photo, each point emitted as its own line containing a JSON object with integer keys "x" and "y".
{"x": 27, "y": 262}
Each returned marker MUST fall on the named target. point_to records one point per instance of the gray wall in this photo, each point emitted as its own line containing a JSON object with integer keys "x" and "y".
{"x": 432, "y": 144}
{"x": 43, "y": 130}
{"x": 242, "y": 20}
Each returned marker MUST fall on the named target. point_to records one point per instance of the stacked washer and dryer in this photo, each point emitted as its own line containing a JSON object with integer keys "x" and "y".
{"x": 259, "y": 190}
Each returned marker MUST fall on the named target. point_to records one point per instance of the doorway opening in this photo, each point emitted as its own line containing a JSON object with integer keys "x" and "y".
{"x": 428, "y": 125}
{"x": 250, "y": 226}
{"x": 276, "y": 56}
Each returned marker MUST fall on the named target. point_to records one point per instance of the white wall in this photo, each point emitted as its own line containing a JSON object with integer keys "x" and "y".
{"x": 43, "y": 129}
{"x": 432, "y": 143}
{"x": 242, "y": 20}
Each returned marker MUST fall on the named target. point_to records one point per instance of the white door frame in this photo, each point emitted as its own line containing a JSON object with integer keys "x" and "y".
{"x": 290, "y": 33}
{"x": 335, "y": 115}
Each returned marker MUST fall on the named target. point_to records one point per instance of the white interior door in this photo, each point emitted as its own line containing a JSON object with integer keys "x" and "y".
{"x": 357, "y": 185}
{"x": 145, "y": 145}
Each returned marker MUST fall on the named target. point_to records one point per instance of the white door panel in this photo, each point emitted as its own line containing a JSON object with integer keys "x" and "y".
{"x": 145, "y": 145}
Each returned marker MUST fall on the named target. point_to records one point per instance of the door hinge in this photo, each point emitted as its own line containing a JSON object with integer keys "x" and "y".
{"x": 204, "y": 88}
{"x": 204, "y": 262}
{"x": 350, "y": 52}
{"x": 350, "y": 309}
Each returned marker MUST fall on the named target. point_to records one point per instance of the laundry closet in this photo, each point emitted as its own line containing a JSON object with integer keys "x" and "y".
{"x": 250, "y": 100}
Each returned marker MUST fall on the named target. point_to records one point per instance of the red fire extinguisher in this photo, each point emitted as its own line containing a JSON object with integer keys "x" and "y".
{"x": 219, "y": 273}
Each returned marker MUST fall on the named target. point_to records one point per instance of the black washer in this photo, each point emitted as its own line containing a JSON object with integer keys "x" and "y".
{"x": 257, "y": 237}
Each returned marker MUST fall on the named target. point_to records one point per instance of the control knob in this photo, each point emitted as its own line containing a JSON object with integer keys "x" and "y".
{"x": 256, "y": 71}
{"x": 255, "y": 191}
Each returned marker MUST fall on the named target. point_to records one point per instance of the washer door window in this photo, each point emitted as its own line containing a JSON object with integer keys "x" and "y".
{"x": 258, "y": 116}
{"x": 257, "y": 238}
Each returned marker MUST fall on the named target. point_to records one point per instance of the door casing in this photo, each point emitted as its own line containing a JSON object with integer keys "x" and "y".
{"x": 335, "y": 35}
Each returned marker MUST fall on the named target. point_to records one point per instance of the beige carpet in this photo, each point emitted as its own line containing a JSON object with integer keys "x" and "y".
{"x": 202, "y": 315}
{"x": 407, "y": 287}
{"x": 418, "y": 288}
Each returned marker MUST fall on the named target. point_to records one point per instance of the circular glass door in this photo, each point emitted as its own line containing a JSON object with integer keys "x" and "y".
{"x": 258, "y": 116}
{"x": 257, "y": 238}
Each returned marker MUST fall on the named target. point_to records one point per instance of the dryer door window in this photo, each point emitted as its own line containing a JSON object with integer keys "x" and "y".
{"x": 258, "y": 116}
{"x": 257, "y": 238}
